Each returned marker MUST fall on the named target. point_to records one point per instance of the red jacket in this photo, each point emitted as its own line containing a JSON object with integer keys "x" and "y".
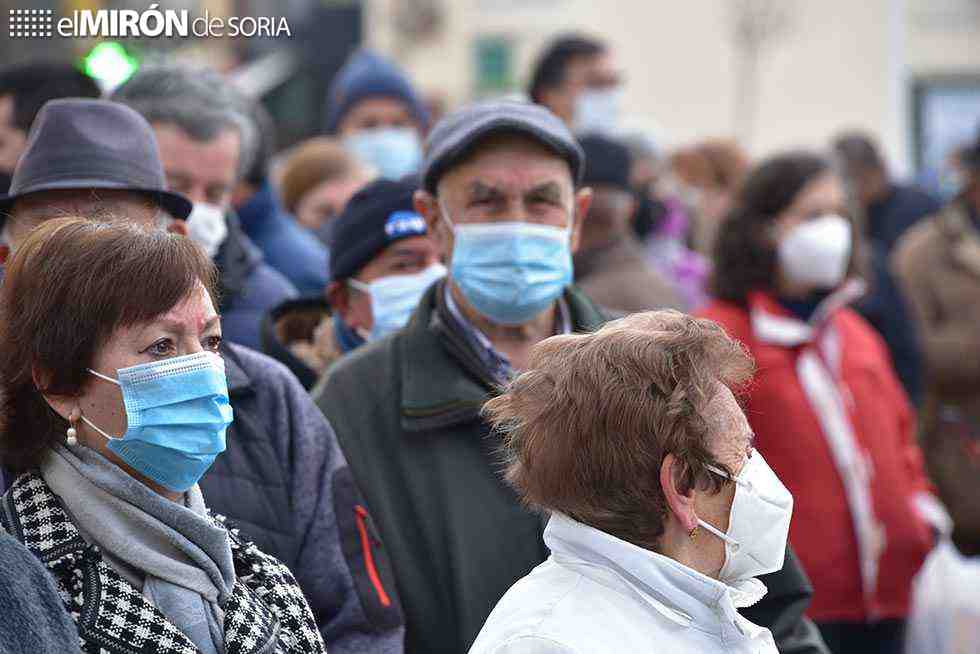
{"x": 834, "y": 424}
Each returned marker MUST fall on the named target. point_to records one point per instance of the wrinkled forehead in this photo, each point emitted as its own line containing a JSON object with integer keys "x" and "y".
{"x": 732, "y": 434}
{"x": 512, "y": 163}
{"x": 100, "y": 204}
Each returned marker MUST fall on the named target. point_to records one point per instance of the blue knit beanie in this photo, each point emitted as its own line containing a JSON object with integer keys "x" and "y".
{"x": 367, "y": 74}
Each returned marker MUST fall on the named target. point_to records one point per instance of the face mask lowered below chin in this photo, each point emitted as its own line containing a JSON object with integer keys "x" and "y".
{"x": 393, "y": 151}
{"x": 758, "y": 524}
{"x": 177, "y": 412}
{"x": 510, "y": 271}
{"x": 816, "y": 253}
{"x": 207, "y": 227}
{"x": 597, "y": 111}
{"x": 394, "y": 298}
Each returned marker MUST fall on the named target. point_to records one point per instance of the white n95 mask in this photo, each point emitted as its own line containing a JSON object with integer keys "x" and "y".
{"x": 758, "y": 524}
{"x": 816, "y": 252}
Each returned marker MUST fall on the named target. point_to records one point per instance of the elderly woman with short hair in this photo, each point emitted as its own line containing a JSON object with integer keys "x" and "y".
{"x": 114, "y": 404}
{"x": 662, "y": 513}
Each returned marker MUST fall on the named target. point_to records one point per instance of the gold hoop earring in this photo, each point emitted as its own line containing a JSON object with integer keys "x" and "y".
{"x": 693, "y": 532}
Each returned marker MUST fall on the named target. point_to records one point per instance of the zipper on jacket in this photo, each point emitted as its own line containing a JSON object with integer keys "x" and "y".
{"x": 361, "y": 515}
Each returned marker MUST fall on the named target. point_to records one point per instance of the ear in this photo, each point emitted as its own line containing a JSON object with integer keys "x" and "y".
{"x": 583, "y": 200}
{"x": 681, "y": 504}
{"x": 427, "y": 206}
{"x": 178, "y": 227}
{"x": 61, "y": 404}
{"x": 337, "y": 296}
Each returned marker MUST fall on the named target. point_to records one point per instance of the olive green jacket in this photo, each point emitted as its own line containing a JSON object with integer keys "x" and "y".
{"x": 406, "y": 410}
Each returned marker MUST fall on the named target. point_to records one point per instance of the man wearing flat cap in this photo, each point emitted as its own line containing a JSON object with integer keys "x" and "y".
{"x": 501, "y": 196}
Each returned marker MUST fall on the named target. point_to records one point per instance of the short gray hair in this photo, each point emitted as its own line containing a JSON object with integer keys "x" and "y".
{"x": 197, "y": 100}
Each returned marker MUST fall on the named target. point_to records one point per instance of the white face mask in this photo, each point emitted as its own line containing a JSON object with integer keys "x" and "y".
{"x": 207, "y": 226}
{"x": 394, "y": 298}
{"x": 758, "y": 524}
{"x": 597, "y": 110}
{"x": 815, "y": 253}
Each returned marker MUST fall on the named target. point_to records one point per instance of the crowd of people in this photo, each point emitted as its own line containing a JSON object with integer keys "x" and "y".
{"x": 513, "y": 380}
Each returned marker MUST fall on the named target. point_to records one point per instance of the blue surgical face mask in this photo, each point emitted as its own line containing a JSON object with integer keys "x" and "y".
{"x": 597, "y": 111}
{"x": 393, "y": 151}
{"x": 510, "y": 271}
{"x": 177, "y": 412}
{"x": 394, "y": 298}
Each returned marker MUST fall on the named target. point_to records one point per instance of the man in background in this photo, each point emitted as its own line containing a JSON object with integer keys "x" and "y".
{"x": 385, "y": 262}
{"x": 377, "y": 113}
{"x": 207, "y": 143}
{"x": 889, "y": 208}
{"x": 610, "y": 265}
{"x": 24, "y": 89}
{"x": 576, "y": 79}
{"x": 287, "y": 246}
{"x": 886, "y": 212}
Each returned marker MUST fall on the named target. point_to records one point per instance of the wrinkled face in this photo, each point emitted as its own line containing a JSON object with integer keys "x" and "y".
{"x": 377, "y": 113}
{"x": 191, "y": 326}
{"x": 327, "y": 200}
{"x": 12, "y": 139}
{"x": 100, "y": 204}
{"x": 204, "y": 171}
{"x": 405, "y": 257}
{"x": 510, "y": 179}
{"x": 731, "y": 447}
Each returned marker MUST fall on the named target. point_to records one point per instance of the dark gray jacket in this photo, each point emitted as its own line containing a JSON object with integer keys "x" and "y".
{"x": 406, "y": 410}
{"x": 284, "y": 482}
{"x": 32, "y": 616}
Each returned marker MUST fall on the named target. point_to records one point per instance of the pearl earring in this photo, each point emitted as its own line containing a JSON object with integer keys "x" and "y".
{"x": 72, "y": 434}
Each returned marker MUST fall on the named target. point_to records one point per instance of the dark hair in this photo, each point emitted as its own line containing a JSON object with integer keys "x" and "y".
{"x": 265, "y": 144}
{"x": 587, "y": 426}
{"x": 200, "y": 101}
{"x": 549, "y": 71}
{"x": 33, "y": 84}
{"x": 744, "y": 258}
{"x": 857, "y": 151}
{"x": 67, "y": 288}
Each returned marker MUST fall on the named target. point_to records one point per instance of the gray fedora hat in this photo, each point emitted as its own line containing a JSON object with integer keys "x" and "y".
{"x": 78, "y": 143}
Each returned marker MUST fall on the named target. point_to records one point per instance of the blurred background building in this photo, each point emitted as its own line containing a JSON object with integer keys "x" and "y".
{"x": 770, "y": 73}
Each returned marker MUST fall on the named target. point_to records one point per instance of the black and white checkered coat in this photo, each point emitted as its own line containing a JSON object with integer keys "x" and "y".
{"x": 266, "y": 612}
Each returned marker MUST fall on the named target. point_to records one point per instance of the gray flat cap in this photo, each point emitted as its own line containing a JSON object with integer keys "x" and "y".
{"x": 453, "y": 137}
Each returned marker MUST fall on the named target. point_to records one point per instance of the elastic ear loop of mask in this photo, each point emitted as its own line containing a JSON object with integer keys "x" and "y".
{"x": 96, "y": 428}
{"x": 360, "y": 286}
{"x": 717, "y": 532}
{"x": 89, "y": 422}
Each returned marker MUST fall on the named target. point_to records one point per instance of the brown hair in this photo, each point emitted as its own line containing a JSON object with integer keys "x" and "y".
{"x": 69, "y": 285}
{"x": 317, "y": 160}
{"x": 587, "y": 426}
{"x": 714, "y": 164}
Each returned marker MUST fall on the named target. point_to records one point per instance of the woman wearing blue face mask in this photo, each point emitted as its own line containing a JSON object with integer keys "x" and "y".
{"x": 115, "y": 404}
